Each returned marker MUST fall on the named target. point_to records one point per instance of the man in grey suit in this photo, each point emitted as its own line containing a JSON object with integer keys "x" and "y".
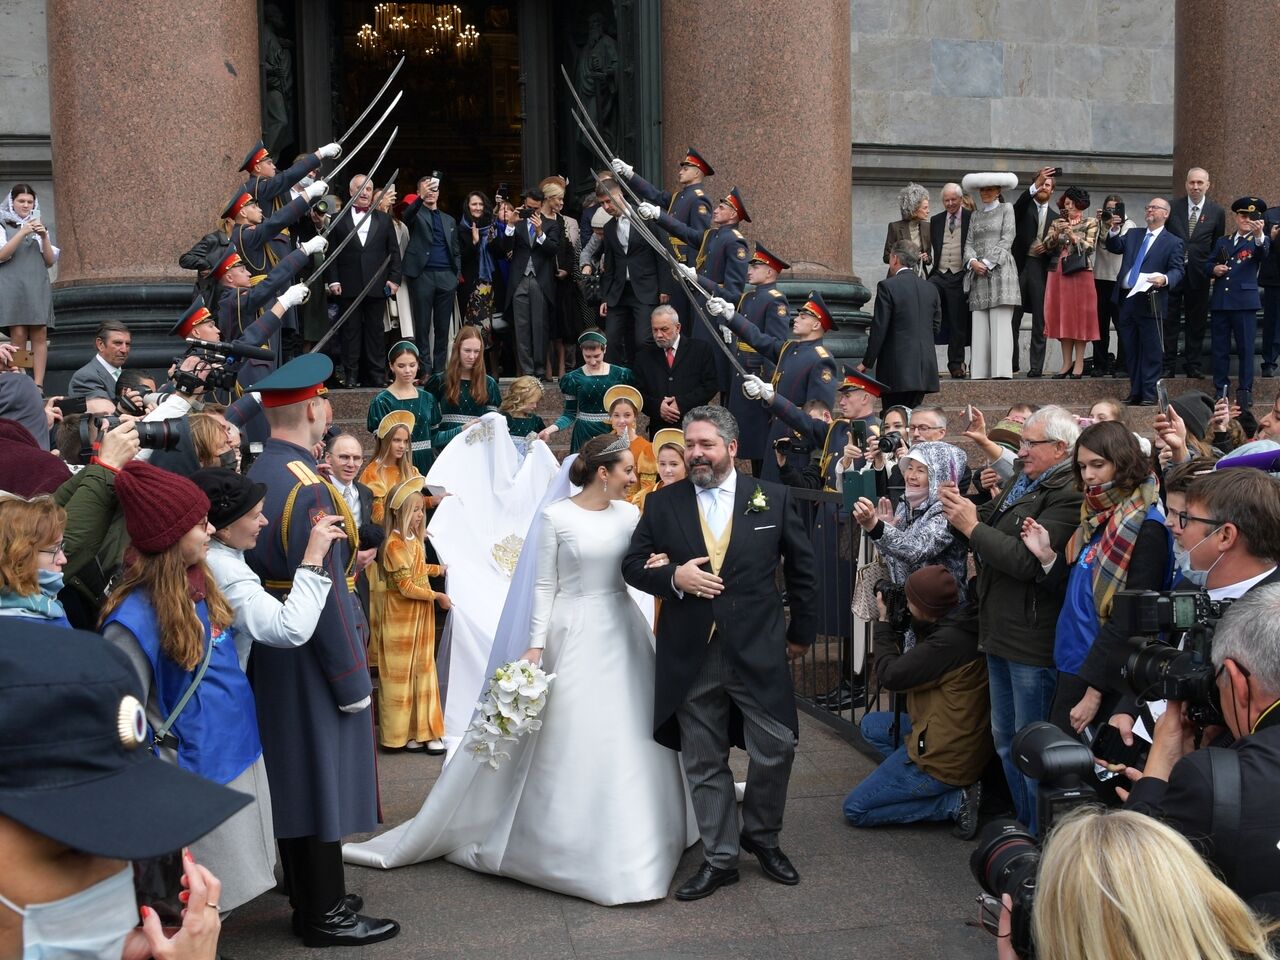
{"x": 96, "y": 380}
{"x": 1198, "y": 222}
{"x": 431, "y": 265}
{"x": 723, "y": 642}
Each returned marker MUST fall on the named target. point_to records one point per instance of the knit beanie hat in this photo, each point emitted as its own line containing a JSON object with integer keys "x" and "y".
{"x": 1195, "y": 409}
{"x": 159, "y": 506}
{"x": 933, "y": 591}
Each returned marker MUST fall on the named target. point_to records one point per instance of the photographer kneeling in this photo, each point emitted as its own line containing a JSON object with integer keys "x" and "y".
{"x": 1223, "y": 799}
{"x": 945, "y": 736}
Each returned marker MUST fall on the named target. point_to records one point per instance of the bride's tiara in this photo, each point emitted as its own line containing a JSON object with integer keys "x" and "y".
{"x": 616, "y": 447}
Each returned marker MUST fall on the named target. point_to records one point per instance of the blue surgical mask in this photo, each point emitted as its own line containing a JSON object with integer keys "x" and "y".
{"x": 90, "y": 925}
{"x": 1182, "y": 562}
{"x": 50, "y": 582}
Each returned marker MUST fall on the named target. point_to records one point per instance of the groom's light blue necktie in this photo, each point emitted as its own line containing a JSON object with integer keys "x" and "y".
{"x": 1132, "y": 279}
{"x": 712, "y": 510}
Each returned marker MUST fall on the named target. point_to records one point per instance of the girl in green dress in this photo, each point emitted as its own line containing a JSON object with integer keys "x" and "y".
{"x": 519, "y": 407}
{"x": 584, "y": 390}
{"x": 464, "y": 391}
{"x": 403, "y": 394}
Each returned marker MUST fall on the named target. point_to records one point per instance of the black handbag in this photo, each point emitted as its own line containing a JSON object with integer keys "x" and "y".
{"x": 1074, "y": 262}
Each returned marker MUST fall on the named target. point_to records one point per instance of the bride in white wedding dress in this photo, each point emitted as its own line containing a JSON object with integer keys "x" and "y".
{"x": 589, "y": 805}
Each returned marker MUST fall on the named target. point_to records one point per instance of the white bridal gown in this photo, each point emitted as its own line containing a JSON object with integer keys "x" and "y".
{"x": 589, "y": 805}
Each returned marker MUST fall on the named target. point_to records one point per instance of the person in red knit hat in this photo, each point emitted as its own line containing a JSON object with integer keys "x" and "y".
{"x": 168, "y": 616}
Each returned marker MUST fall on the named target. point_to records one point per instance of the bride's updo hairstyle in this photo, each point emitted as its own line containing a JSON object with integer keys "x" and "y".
{"x": 602, "y": 451}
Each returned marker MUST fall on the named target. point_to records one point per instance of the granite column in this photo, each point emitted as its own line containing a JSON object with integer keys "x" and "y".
{"x": 1225, "y": 118}
{"x": 151, "y": 114}
{"x": 766, "y": 101}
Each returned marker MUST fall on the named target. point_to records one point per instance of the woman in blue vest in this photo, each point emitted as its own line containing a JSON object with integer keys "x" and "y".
{"x": 1122, "y": 543}
{"x": 167, "y": 614}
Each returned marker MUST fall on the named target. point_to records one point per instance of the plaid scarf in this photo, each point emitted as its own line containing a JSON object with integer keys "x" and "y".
{"x": 1120, "y": 514}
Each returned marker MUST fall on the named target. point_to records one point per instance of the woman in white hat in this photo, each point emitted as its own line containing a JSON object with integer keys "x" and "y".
{"x": 991, "y": 277}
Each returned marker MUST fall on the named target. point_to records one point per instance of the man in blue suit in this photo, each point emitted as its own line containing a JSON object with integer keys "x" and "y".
{"x": 1158, "y": 254}
{"x": 1235, "y": 300}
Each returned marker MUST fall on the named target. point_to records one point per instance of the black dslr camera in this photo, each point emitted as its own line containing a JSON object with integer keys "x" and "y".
{"x": 152, "y": 435}
{"x": 1008, "y": 856}
{"x": 890, "y": 442}
{"x": 1158, "y": 670}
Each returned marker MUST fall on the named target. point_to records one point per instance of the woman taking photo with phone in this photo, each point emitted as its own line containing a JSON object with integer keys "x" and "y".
{"x": 26, "y": 297}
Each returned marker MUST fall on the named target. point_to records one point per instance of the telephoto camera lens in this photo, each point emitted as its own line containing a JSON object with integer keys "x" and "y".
{"x": 1005, "y": 861}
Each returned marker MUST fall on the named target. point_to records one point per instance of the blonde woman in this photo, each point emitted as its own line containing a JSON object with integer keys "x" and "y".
{"x": 392, "y": 460}
{"x": 1123, "y": 886}
{"x": 520, "y": 407}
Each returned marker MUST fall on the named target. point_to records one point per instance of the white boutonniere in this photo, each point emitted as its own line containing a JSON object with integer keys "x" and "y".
{"x": 758, "y": 502}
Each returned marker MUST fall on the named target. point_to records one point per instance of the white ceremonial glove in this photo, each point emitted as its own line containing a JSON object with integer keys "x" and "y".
{"x": 294, "y": 295}
{"x": 753, "y": 387}
{"x": 622, "y": 168}
{"x": 726, "y": 335}
{"x": 314, "y": 245}
{"x": 330, "y": 151}
{"x": 316, "y": 190}
{"x": 767, "y": 391}
{"x": 688, "y": 272}
{"x": 648, "y": 211}
{"x": 356, "y": 707}
{"x": 717, "y": 306}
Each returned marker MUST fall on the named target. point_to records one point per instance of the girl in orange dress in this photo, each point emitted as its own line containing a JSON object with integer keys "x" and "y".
{"x": 410, "y": 713}
{"x": 624, "y": 405}
{"x": 669, "y": 444}
{"x": 392, "y": 460}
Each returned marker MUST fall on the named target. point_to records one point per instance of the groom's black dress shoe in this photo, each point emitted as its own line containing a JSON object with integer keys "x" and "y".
{"x": 353, "y": 901}
{"x": 343, "y": 927}
{"x": 705, "y": 882}
{"x": 773, "y": 861}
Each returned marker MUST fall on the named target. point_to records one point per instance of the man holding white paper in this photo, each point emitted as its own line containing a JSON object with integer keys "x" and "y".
{"x": 1153, "y": 261}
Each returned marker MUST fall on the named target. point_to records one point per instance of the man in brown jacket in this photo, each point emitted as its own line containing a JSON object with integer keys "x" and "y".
{"x": 933, "y": 763}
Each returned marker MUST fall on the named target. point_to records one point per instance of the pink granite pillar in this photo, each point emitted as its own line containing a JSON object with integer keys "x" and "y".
{"x": 1226, "y": 119}
{"x": 153, "y": 108}
{"x": 763, "y": 93}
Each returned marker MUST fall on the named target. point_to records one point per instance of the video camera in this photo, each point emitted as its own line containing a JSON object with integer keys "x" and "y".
{"x": 1008, "y": 856}
{"x": 1158, "y": 670}
{"x": 219, "y": 360}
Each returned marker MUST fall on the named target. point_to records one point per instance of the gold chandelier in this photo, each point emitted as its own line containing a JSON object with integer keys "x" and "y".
{"x": 419, "y": 31}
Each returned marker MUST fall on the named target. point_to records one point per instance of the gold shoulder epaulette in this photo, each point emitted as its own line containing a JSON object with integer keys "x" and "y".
{"x": 821, "y": 351}
{"x": 775, "y": 292}
{"x": 304, "y": 473}
{"x": 697, "y": 192}
{"x": 738, "y": 235}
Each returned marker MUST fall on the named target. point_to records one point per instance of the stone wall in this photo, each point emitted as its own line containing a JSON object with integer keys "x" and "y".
{"x": 24, "y": 103}
{"x": 1006, "y": 84}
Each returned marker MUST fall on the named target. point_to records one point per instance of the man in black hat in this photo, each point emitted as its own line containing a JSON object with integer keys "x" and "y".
{"x": 531, "y": 286}
{"x": 314, "y": 700}
{"x": 81, "y": 795}
{"x": 1235, "y": 300}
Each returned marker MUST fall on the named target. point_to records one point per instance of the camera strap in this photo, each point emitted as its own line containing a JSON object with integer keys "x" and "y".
{"x": 1224, "y": 827}
{"x": 161, "y": 736}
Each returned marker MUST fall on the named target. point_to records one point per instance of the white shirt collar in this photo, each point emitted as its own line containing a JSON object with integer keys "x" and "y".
{"x": 987, "y": 208}
{"x": 114, "y": 371}
{"x": 1156, "y": 232}
{"x": 675, "y": 344}
{"x": 1234, "y": 591}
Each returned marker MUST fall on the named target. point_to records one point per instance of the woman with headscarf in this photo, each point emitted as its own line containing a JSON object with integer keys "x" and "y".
{"x": 991, "y": 276}
{"x": 1122, "y": 543}
{"x": 913, "y": 203}
{"x": 26, "y": 297}
{"x": 1070, "y": 299}
{"x": 917, "y": 534}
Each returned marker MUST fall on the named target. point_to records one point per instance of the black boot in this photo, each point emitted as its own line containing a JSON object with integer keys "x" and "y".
{"x": 341, "y": 926}
{"x": 353, "y": 901}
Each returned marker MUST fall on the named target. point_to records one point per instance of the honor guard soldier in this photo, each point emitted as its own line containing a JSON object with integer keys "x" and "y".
{"x": 313, "y": 700}
{"x": 720, "y": 267}
{"x": 252, "y": 231}
{"x": 690, "y": 205}
{"x": 766, "y": 307}
{"x": 803, "y": 369}
{"x": 1236, "y": 299}
{"x": 270, "y": 188}
{"x": 242, "y": 304}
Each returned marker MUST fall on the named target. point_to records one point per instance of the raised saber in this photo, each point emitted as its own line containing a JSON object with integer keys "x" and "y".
{"x": 347, "y": 239}
{"x": 376, "y": 97}
{"x": 354, "y": 303}
{"x": 642, "y": 228}
{"x": 352, "y": 199}
{"x": 372, "y": 130}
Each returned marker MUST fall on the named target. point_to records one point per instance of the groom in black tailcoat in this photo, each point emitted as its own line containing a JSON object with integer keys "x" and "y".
{"x": 724, "y": 642}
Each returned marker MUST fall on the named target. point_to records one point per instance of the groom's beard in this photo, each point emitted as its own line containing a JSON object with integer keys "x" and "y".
{"x": 704, "y": 473}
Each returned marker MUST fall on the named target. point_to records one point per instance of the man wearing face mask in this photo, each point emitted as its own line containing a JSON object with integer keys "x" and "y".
{"x": 1227, "y": 809}
{"x": 78, "y": 801}
{"x": 1226, "y": 539}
